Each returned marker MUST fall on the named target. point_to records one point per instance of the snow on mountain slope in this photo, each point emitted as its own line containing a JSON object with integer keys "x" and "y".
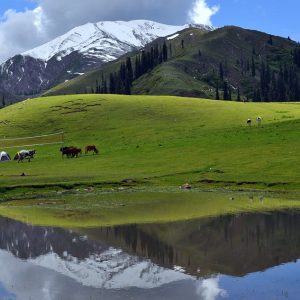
{"x": 112, "y": 269}
{"x": 104, "y": 40}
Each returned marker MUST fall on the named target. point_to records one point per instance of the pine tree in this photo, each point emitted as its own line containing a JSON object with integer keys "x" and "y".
{"x": 129, "y": 70}
{"x": 263, "y": 80}
{"x": 221, "y": 72}
{"x": 165, "y": 52}
{"x": 170, "y": 50}
{"x": 217, "y": 93}
{"x": 253, "y": 68}
{"x": 273, "y": 88}
{"x": 104, "y": 86}
{"x": 182, "y": 44}
{"x": 112, "y": 85}
{"x": 137, "y": 67}
{"x": 248, "y": 65}
{"x": 127, "y": 87}
{"x": 97, "y": 87}
{"x": 238, "y": 95}
{"x": 281, "y": 86}
{"x": 225, "y": 91}
{"x": 258, "y": 96}
{"x": 296, "y": 89}
{"x": 270, "y": 40}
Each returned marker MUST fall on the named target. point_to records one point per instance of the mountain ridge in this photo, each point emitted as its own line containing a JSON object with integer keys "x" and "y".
{"x": 81, "y": 49}
{"x": 249, "y": 64}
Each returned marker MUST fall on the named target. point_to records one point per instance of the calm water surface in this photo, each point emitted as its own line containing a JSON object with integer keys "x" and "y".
{"x": 246, "y": 256}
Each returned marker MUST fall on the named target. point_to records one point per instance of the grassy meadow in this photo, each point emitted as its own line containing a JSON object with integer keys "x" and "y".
{"x": 155, "y": 142}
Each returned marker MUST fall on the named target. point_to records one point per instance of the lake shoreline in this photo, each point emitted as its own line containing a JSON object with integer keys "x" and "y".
{"x": 92, "y": 208}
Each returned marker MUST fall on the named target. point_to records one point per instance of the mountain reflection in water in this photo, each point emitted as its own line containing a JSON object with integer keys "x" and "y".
{"x": 186, "y": 260}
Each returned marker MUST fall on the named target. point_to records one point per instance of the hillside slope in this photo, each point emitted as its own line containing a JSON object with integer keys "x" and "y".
{"x": 198, "y": 63}
{"x": 156, "y": 141}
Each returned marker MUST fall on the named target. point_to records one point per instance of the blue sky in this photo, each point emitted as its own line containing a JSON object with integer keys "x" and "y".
{"x": 18, "y": 5}
{"x": 25, "y": 24}
{"x": 277, "y": 17}
{"x": 273, "y": 16}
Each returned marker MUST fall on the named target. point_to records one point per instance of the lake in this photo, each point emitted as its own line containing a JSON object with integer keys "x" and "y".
{"x": 244, "y": 256}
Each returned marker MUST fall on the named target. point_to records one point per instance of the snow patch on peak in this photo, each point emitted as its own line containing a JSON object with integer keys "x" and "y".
{"x": 172, "y": 37}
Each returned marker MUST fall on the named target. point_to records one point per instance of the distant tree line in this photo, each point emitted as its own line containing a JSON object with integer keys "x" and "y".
{"x": 277, "y": 86}
{"x": 121, "y": 82}
{"x": 273, "y": 84}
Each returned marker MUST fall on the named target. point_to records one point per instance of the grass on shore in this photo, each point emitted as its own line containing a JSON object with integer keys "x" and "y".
{"x": 92, "y": 210}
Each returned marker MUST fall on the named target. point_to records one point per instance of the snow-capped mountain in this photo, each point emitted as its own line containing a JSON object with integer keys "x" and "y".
{"x": 78, "y": 51}
{"x": 104, "y": 40}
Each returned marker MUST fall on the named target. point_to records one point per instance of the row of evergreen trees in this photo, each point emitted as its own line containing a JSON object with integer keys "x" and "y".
{"x": 278, "y": 86}
{"x": 121, "y": 82}
{"x": 227, "y": 92}
{"x": 282, "y": 85}
{"x": 273, "y": 86}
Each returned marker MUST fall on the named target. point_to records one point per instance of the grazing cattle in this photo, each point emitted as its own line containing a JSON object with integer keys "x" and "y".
{"x": 25, "y": 154}
{"x": 249, "y": 122}
{"x": 91, "y": 148}
{"x": 259, "y": 120}
{"x": 66, "y": 151}
{"x": 70, "y": 152}
{"x": 75, "y": 152}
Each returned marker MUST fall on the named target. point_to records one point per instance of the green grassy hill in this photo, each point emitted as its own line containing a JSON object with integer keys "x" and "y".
{"x": 156, "y": 142}
{"x": 191, "y": 73}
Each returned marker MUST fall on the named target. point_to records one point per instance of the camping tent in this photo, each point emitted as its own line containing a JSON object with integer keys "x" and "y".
{"x": 4, "y": 157}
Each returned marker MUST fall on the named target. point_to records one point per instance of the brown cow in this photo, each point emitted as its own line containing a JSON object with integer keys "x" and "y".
{"x": 91, "y": 148}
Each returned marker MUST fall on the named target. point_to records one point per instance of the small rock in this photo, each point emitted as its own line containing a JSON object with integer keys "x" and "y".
{"x": 128, "y": 181}
{"x": 186, "y": 186}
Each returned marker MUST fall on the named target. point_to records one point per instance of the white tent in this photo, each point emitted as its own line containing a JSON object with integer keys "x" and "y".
{"x": 4, "y": 157}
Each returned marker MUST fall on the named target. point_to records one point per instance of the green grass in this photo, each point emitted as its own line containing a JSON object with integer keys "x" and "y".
{"x": 108, "y": 209}
{"x": 157, "y": 141}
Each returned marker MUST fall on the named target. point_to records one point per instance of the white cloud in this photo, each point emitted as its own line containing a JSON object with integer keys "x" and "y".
{"x": 20, "y": 30}
{"x": 209, "y": 289}
{"x": 201, "y": 13}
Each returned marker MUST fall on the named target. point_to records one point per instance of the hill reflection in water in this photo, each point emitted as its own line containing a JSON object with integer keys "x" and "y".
{"x": 233, "y": 245}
